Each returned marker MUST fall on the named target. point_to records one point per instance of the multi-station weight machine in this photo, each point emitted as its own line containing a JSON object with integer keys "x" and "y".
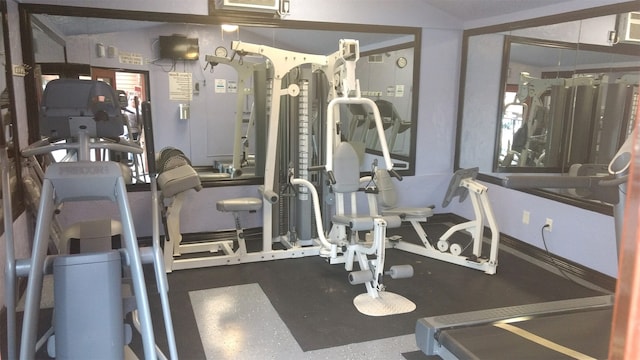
{"x": 280, "y": 63}
{"x": 301, "y": 188}
{"x": 90, "y": 306}
{"x": 287, "y": 207}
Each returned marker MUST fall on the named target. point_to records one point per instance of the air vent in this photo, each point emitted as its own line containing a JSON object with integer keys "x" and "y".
{"x": 375, "y": 59}
{"x": 629, "y": 30}
{"x": 248, "y": 5}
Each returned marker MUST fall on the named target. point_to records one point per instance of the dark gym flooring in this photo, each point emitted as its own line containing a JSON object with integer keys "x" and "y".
{"x": 303, "y": 308}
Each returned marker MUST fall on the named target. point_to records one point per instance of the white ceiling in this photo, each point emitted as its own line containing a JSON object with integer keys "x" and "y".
{"x": 465, "y": 10}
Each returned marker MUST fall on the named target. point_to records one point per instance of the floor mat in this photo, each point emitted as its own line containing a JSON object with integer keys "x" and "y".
{"x": 239, "y": 322}
{"x": 315, "y": 300}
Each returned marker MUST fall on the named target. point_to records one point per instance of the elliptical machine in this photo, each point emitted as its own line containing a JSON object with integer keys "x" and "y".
{"x": 78, "y": 116}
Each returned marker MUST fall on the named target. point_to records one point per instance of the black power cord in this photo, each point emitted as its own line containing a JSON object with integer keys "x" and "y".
{"x": 564, "y": 273}
{"x": 553, "y": 260}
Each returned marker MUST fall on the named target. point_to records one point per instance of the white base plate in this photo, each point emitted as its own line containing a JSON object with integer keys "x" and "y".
{"x": 386, "y": 303}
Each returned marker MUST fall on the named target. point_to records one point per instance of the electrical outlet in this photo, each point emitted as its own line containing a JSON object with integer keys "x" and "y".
{"x": 525, "y": 217}
{"x": 548, "y": 224}
{"x": 19, "y": 70}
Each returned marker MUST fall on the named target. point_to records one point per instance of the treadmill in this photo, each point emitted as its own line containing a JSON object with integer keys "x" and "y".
{"x": 567, "y": 329}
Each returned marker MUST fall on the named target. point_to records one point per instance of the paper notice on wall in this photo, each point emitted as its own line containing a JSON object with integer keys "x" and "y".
{"x": 232, "y": 86}
{"x": 399, "y": 90}
{"x": 130, "y": 58}
{"x": 220, "y": 86}
{"x": 391, "y": 90}
{"x": 180, "y": 85}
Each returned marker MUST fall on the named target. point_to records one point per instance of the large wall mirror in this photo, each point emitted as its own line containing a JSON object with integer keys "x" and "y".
{"x": 201, "y": 102}
{"x": 539, "y": 99}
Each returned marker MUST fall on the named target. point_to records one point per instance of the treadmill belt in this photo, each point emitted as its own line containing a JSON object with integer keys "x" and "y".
{"x": 579, "y": 335}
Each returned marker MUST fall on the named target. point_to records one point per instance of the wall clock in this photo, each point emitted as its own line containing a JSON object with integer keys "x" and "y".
{"x": 221, "y": 51}
{"x": 401, "y": 62}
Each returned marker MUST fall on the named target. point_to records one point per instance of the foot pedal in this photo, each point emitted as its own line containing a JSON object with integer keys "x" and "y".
{"x": 360, "y": 277}
{"x": 386, "y": 303}
{"x": 400, "y": 271}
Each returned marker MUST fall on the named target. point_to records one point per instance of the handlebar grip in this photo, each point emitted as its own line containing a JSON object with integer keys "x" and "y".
{"x": 614, "y": 181}
{"x": 43, "y": 146}
{"x": 270, "y": 196}
{"x": 332, "y": 178}
{"x": 548, "y": 181}
{"x": 39, "y": 147}
{"x": 395, "y": 174}
{"x": 316, "y": 168}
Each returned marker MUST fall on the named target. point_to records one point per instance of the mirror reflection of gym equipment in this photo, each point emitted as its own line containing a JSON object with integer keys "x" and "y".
{"x": 209, "y": 147}
{"x": 243, "y": 160}
{"x": 600, "y": 105}
{"x": 336, "y": 221}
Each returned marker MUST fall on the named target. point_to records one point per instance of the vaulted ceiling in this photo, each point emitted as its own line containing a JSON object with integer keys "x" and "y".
{"x": 468, "y": 10}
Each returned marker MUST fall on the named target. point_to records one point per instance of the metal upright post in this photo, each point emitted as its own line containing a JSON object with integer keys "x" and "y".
{"x": 34, "y": 283}
{"x": 135, "y": 264}
{"x": 10, "y": 276}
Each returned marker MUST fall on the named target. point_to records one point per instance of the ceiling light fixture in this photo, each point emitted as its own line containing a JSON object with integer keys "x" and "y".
{"x": 229, "y": 27}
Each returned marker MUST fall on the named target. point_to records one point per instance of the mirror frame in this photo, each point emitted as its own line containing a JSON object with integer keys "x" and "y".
{"x": 411, "y": 159}
{"x": 507, "y": 27}
{"x": 17, "y": 200}
{"x": 219, "y": 17}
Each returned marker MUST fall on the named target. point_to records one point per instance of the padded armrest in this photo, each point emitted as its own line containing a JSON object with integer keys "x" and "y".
{"x": 239, "y": 204}
{"x": 361, "y": 223}
{"x": 356, "y": 223}
{"x": 393, "y": 221}
{"x": 408, "y": 213}
{"x": 179, "y": 179}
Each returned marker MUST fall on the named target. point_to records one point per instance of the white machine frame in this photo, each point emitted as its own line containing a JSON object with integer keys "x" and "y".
{"x": 282, "y": 62}
{"x": 342, "y": 65}
{"x": 343, "y": 243}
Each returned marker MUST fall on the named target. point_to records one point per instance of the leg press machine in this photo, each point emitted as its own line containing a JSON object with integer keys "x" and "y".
{"x": 462, "y": 184}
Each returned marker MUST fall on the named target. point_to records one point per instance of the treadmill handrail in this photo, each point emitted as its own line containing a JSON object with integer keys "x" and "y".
{"x": 44, "y": 146}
